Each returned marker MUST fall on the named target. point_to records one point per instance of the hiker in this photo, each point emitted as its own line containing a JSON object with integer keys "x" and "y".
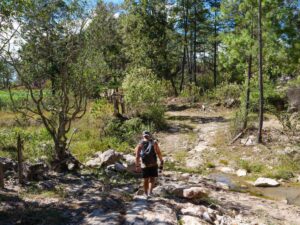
{"x": 146, "y": 154}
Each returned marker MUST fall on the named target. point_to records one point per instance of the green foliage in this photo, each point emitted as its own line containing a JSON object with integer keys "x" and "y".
{"x": 147, "y": 36}
{"x": 210, "y": 165}
{"x": 85, "y": 149}
{"x": 272, "y": 95}
{"x": 126, "y": 130}
{"x": 285, "y": 169}
{"x": 144, "y": 94}
{"x": 240, "y": 41}
{"x": 37, "y": 143}
{"x": 191, "y": 92}
{"x": 280, "y": 174}
{"x": 18, "y": 95}
{"x": 294, "y": 82}
{"x": 251, "y": 167}
{"x": 225, "y": 91}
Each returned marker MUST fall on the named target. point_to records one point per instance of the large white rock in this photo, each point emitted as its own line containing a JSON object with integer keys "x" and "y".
{"x": 266, "y": 182}
{"x": 241, "y": 172}
{"x": 251, "y": 140}
{"x": 104, "y": 159}
{"x": 195, "y": 192}
{"x": 129, "y": 163}
{"x": 225, "y": 169}
{"x": 141, "y": 212}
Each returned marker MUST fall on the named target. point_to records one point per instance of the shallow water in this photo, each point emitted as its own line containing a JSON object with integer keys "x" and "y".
{"x": 286, "y": 192}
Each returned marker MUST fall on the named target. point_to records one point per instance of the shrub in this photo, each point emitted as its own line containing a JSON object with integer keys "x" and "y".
{"x": 82, "y": 150}
{"x": 144, "y": 94}
{"x": 281, "y": 174}
{"x": 126, "y": 130}
{"x": 37, "y": 143}
{"x": 191, "y": 92}
{"x": 250, "y": 167}
{"x": 225, "y": 91}
{"x": 102, "y": 112}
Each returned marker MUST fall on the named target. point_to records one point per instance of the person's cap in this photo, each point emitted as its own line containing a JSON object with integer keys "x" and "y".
{"x": 146, "y": 134}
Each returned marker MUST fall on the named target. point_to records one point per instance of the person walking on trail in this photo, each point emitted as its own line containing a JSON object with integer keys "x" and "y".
{"x": 146, "y": 153}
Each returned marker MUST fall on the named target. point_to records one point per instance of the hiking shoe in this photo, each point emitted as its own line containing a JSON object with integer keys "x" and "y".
{"x": 146, "y": 196}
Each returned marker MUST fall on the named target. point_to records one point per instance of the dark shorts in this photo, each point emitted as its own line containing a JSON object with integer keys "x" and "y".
{"x": 150, "y": 172}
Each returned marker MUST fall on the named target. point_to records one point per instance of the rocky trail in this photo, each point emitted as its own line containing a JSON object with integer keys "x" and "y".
{"x": 114, "y": 197}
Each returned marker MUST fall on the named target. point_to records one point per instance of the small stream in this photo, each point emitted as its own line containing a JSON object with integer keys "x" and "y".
{"x": 286, "y": 192}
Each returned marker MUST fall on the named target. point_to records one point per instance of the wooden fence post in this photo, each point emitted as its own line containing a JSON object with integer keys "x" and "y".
{"x": 20, "y": 159}
{"x": 1, "y": 176}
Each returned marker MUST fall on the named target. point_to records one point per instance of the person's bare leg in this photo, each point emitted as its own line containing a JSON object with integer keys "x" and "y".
{"x": 151, "y": 184}
{"x": 146, "y": 185}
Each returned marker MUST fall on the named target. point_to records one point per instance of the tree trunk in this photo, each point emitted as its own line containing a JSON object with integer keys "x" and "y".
{"x": 215, "y": 50}
{"x": 174, "y": 87}
{"x": 260, "y": 72}
{"x": 122, "y": 103}
{"x": 247, "y": 106}
{"x": 195, "y": 47}
{"x": 182, "y": 71}
{"x": 60, "y": 150}
{"x": 249, "y": 75}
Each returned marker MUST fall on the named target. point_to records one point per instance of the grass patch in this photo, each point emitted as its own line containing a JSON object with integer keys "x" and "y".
{"x": 180, "y": 156}
{"x": 223, "y": 161}
{"x": 285, "y": 169}
{"x": 34, "y": 191}
{"x": 280, "y": 174}
{"x": 82, "y": 150}
{"x": 221, "y": 139}
{"x": 251, "y": 167}
{"x": 210, "y": 165}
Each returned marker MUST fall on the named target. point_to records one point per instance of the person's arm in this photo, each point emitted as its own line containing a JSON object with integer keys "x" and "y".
{"x": 158, "y": 153}
{"x": 137, "y": 158}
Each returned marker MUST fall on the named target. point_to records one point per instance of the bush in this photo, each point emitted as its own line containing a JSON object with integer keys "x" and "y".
{"x": 272, "y": 96}
{"x": 82, "y": 150}
{"x": 225, "y": 91}
{"x": 144, "y": 94}
{"x": 37, "y": 143}
{"x": 191, "y": 92}
{"x": 281, "y": 174}
{"x": 126, "y": 130}
{"x": 250, "y": 167}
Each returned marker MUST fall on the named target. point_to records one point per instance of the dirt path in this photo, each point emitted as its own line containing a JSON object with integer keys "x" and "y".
{"x": 191, "y": 133}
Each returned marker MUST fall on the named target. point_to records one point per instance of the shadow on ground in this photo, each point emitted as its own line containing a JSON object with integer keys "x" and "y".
{"x": 199, "y": 119}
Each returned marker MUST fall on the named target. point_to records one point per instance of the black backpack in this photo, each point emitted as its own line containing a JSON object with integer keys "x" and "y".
{"x": 148, "y": 153}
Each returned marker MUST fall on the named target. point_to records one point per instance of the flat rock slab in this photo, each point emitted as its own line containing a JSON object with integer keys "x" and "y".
{"x": 98, "y": 216}
{"x": 150, "y": 212}
{"x": 192, "y": 220}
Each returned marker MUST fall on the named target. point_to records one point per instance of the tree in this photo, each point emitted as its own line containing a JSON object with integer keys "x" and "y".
{"x": 240, "y": 45}
{"x": 105, "y": 45}
{"x": 54, "y": 40}
{"x": 148, "y": 38}
{"x": 215, "y": 29}
{"x": 9, "y": 28}
{"x": 260, "y": 72}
